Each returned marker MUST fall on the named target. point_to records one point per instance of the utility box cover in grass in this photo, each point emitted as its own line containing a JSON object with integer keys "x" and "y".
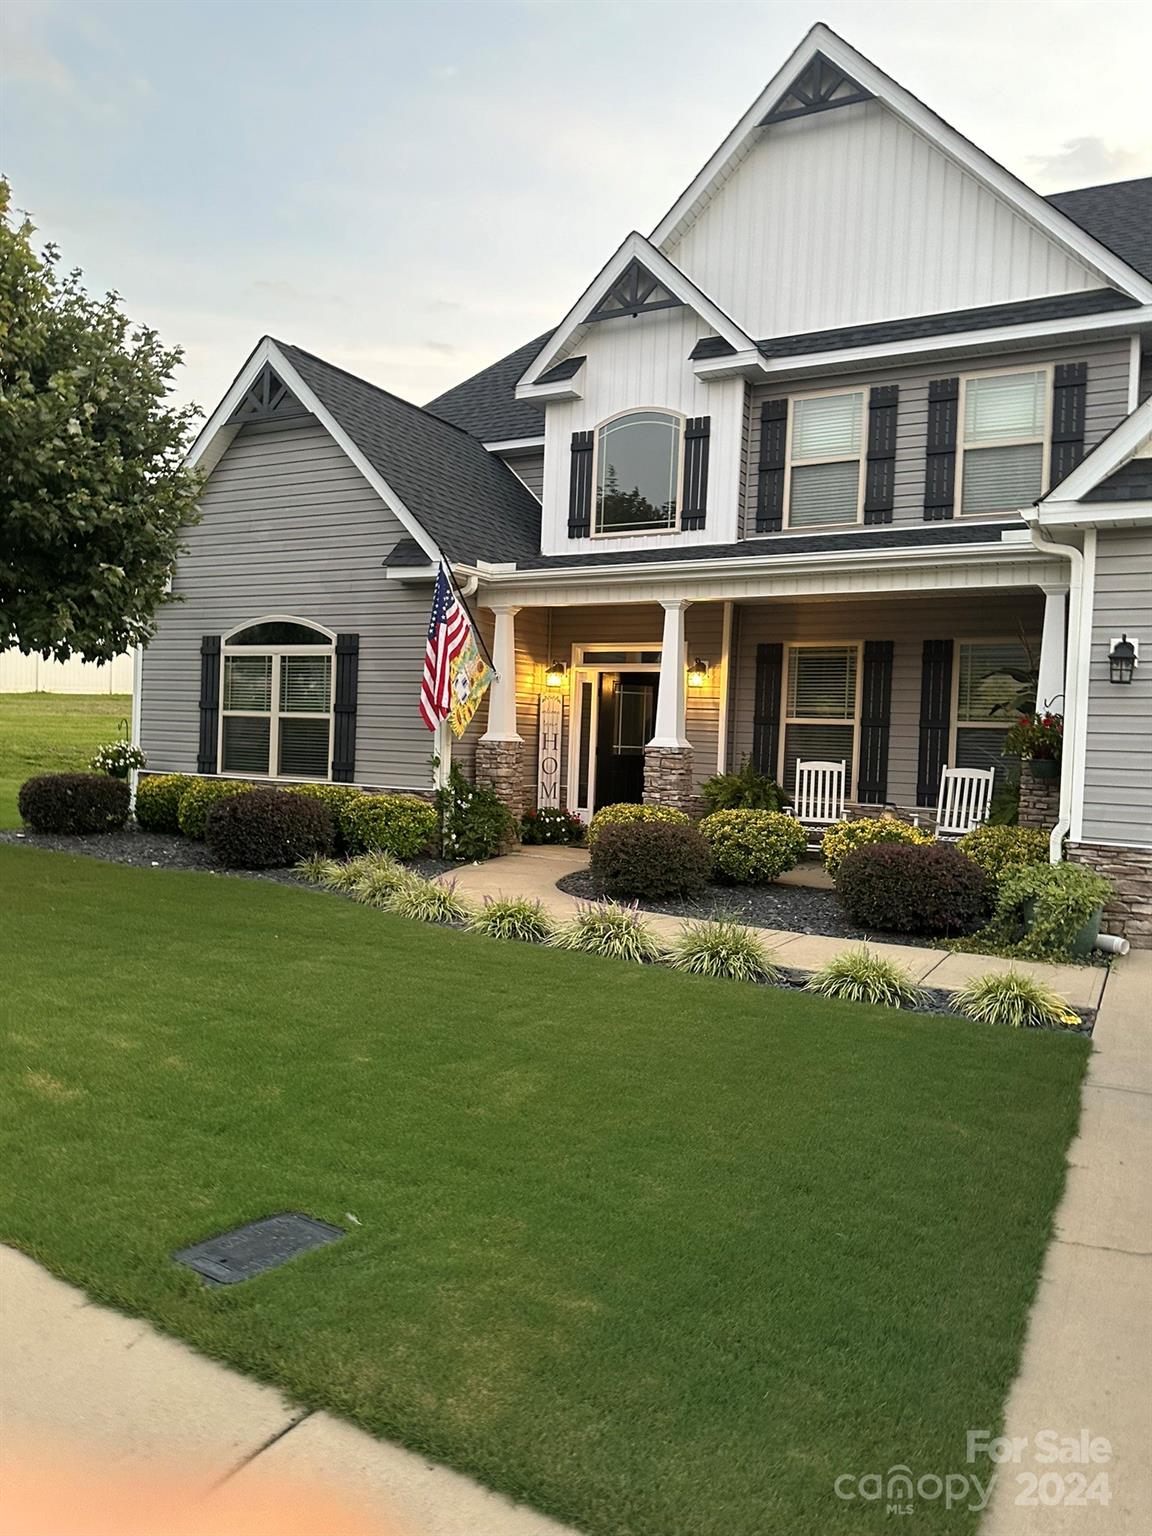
{"x": 256, "y": 1247}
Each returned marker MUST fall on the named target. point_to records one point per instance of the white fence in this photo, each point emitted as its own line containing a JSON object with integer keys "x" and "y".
{"x": 32, "y": 674}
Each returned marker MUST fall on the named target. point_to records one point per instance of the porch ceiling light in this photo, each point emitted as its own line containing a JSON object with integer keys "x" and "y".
{"x": 1123, "y": 659}
{"x": 698, "y": 673}
{"x": 556, "y": 675}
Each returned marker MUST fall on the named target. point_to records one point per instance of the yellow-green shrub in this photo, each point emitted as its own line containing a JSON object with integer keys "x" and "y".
{"x": 753, "y": 847}
{"x": 199, "y": 798}
{"x": 846, "y": 836}
{"x": 158, "y": 797}
{"x": 610, "y": 814}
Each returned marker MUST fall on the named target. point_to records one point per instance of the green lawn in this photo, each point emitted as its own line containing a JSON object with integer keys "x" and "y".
{"x": 51, "y": 733}
{"x": 661, "y": 1256}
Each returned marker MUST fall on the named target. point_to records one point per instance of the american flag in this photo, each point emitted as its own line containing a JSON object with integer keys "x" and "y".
{"x": 448, "y": 632}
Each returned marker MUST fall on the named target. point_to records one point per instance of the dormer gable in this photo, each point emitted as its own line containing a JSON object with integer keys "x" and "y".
{"x": 819, "y": 87}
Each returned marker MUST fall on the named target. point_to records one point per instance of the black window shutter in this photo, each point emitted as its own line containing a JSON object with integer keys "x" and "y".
{"x": 580, "y": 487}
{"x": 694, "y": 511}
{"x": 935, "y": 718}
{"x": 880, "y": 476}
{"x": 1069, "y": 395}
{"x": 770, "y": 469}
{"x": 940, "y": 458}
{"x": 875, "y": 721}
{"x": 766, "y": 715}
{"x": 344, "y": 710}
{"x": 209, "y": 703}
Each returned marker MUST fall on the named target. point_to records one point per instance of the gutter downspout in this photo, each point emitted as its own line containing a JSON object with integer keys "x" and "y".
{"x": 1075, "y": 558}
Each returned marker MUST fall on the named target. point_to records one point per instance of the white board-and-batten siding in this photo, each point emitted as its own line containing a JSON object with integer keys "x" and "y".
{"x": 289, "y": 526}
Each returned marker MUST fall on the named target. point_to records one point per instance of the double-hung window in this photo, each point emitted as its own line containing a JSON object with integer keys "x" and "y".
{"x": 991, "y": 680}
{"x": 1003, "y": 440}
{"x": 825, "y": 460}
{"x": 821, "y": 708}
{"x": 276, "y": 701}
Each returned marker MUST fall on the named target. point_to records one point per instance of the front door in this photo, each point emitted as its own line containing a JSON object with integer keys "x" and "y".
{"x": 625, "y": 720}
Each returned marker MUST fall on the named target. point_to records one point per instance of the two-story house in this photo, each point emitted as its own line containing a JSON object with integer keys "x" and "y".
{"x": 817, "y": 469}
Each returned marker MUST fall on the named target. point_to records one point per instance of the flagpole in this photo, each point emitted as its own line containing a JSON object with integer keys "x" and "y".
{"x": 463, "y": 601}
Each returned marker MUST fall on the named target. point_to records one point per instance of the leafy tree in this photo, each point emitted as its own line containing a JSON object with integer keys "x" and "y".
{"x": 93, "y": 492}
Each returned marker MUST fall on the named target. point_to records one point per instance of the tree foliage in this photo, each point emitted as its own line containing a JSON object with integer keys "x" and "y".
{"x": 93, "y": 492}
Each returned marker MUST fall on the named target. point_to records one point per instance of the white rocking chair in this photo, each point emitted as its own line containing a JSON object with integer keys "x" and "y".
{"x": 819, "y": 799}
{"x": 965, "y": 795}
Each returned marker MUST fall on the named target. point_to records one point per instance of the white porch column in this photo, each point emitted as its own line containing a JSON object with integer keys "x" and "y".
{"x": 502, "y": 693}
{"x": 671, "y": 729}
{"x": 1050, "y": 683}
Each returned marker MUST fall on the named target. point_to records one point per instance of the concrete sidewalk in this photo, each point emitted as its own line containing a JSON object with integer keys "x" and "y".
{"x": 533, "y": 873}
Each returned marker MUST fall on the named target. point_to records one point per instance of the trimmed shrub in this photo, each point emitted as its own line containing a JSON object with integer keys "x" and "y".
{"x": 1016, "y": 1000}
{"x": 550, "y": 825}
{"x": 997, "y": 849}
{"x": 266, "y": 829}
{"x": 747, "y": 790}
{"x": 846, "y": 836}
{"x": 610, "y": 815}
{"x": 1042, "y": 908}
{"x": 158, "y": 797}
{"x": 520, "y": 919}
{"x": 650, "y": 859}
{"x": 337, "y": 797}
{"x": 613, "y": 932}
{"x": 753, "y": 847}
{"x": 860, "y": 975}
{"x": 724, "y": 950}
{"x": 76, "y": 803}
{"x": 934, "y": 889}
{"x": 428, "y": 901}
{"x": 199, "y": 798}
{"x": 475, "y": 824}
{"x": 402, "y": 825}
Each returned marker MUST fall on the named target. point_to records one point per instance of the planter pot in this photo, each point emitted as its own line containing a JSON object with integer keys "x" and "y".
{"x": 1045, "y": 767}
{"x": 1082, "y": 944}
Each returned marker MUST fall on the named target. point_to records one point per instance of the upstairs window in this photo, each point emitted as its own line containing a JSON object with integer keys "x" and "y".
{"x": 638, "y": 472}
{"x": 826, "y": 462}
{"x": 276, "y": 701}
{"x": 1004, "y": 438}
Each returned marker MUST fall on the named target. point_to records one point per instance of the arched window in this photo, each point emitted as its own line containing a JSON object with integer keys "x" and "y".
{"x": 638, "y": 472}
{"x": 276, "y": 700}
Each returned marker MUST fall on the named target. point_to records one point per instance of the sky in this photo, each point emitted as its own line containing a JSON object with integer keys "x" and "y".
{"x": 413, "y": 190}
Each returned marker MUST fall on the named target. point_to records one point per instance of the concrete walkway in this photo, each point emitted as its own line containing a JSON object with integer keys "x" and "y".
{"x": 533, "y": 872}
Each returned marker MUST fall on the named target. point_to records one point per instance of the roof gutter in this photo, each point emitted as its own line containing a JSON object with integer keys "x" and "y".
{"x": 1072, "y": 703}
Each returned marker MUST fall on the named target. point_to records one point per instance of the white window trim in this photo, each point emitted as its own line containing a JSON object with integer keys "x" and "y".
{"x": 786, "y": 720}
{"x": 836, "y": 458}
{"x": 635, "y": 533}
{"x": 956, "y": 724}
{"x": 962, "y": 447}
{"x": 272, "y": 715}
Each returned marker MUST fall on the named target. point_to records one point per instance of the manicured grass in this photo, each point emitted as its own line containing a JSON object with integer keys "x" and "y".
{"x": 659, "y": 1255}
{"x": 52, "y": 733}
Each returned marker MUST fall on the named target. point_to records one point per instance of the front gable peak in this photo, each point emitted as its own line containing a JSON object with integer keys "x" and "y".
{"x": 820, "y": 86}
{"x": 634, "y": 292}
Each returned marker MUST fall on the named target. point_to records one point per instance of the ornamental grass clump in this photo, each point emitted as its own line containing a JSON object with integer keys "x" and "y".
{"x": 611, "y": 931}
{"x": 518, "y": 918}
{"x": 379, "y": 880}
{"x": 723, "y": 950}
{"x": 1015, "y": 1000}
{"x": 859, "y": 975}
{"x": 428, "y": 901}
{"x": 316, "y": 869}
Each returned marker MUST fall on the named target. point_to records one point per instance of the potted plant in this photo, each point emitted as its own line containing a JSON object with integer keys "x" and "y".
{"x": 118, "y": 758}
{"x": 1039, "y": 739}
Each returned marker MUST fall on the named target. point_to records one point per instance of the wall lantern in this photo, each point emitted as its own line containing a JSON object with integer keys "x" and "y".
{"x": 698, "y": 673}
{"x": 1123, "y": 659}
{"x": 556, "y": 674}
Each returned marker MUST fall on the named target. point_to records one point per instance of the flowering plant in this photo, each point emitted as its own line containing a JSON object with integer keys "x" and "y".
{"x": 550, "y": 824}
{"x": 118, "y": 758}
{"x": 1036, "y": 736}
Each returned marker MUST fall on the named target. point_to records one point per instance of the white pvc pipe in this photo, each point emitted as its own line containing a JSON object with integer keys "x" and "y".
{"x": 1112, "y": 944}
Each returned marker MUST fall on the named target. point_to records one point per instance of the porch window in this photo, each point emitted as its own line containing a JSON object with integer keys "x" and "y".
{"x": 825, "y": 461}
{"x": 276, "y": 701}
{"x": 991, "y": 677}
{"x": 1004, "y": 436}
{"x": 821, "y": 709}
{"x": 638, "y": 472}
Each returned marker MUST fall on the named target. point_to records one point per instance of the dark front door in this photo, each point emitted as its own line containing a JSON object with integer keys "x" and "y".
{"x": 627, "y": 715}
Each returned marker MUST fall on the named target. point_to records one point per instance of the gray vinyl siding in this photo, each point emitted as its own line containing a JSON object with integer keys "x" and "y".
{"x": 907, "y": 623}
{"x": 1106, "y": 404}
{"x": 289, "y": 526}
{"x": 530, "y": 468}
{"x": 1118, "y": 760}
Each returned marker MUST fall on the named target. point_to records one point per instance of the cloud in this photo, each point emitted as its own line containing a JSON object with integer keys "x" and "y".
{"x": 1080, "y": 162}
{"x": 24, "y": 55}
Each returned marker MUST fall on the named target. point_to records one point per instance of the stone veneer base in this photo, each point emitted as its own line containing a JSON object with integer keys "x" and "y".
{"x": 1039, "y": 800}
{"x": 668, "y": 779}
{"x": 1130, "y": 871}
{"x": 500, "y": 766}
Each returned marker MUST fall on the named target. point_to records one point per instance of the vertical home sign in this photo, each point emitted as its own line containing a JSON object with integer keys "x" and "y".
{"x": 548, "y": 763}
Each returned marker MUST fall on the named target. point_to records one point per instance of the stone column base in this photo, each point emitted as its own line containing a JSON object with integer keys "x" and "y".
{"x": 1129, "y": 913}
{"x": 668, "y": 779}
{"x": 1039, "y": 800}
{"x": 499, "y": 766}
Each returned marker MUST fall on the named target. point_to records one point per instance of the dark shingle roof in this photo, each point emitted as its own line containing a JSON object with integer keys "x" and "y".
{"x": 486, "y": 404}
{"x": 1131, "y": 482}
{"x": 1119, "y": 215}
{"x": 468, "y": 500}
{"x": 567, "y": 369}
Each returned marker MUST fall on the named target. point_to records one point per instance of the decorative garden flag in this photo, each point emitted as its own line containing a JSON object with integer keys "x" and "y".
{"x": 456, "y": 672}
